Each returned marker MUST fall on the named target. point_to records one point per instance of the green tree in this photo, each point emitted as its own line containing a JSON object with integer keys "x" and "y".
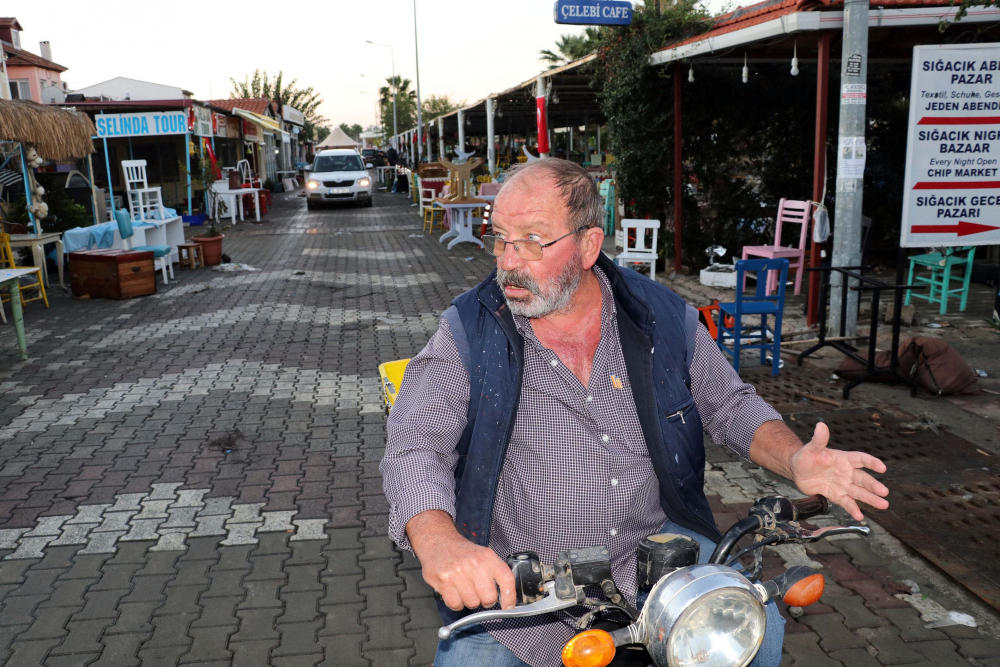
{"x": 406, "y": 104}
{"x": 570, "y": 48}
{"x": 439, "y": 105}
{"x": 353, "y": 131}
{"x": 259, "y": 84}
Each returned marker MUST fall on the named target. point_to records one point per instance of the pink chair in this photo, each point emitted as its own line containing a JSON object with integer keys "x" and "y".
{"x": 792, "y": 211}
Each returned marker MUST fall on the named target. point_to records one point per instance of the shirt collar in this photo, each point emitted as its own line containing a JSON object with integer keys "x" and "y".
{"x": 524, "y": 327}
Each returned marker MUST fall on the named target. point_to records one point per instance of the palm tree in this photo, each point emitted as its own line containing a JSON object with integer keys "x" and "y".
{"x": 570, "y": 48}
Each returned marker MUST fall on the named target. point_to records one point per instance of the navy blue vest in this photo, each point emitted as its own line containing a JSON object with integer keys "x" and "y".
{"x": 656, "y": 329}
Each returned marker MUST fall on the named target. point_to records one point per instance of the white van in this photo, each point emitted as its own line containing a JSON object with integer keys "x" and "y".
{"x": 338, "y": 175}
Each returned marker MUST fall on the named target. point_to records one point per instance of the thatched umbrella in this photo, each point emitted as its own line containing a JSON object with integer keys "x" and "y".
{"x": 57, "y": 134}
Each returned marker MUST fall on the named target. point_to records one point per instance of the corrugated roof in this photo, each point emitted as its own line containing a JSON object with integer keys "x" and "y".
{"x": 253, "y": 104}
{"x": 770, "y": 10}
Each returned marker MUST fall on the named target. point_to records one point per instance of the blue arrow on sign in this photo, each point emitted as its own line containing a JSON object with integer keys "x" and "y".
{"x": 593, "y": 12}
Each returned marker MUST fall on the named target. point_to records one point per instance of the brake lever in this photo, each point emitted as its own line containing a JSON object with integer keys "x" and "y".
{"x": 548, "y": 604}
{"x": 804, "y": 535}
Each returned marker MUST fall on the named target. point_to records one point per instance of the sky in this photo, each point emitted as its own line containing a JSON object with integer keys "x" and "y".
{"x": 468, "y": 49}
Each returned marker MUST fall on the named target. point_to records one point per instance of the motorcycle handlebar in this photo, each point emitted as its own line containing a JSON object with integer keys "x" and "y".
{"x": 809, "y": 507}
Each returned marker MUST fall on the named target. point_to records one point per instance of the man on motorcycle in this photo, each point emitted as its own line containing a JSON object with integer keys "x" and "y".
{"x": 561, "y": 405}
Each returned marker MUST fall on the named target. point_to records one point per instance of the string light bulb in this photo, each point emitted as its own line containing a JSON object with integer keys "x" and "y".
{"x": 795, "y": 59}
{"x": 746, "y": 70}
{"x": 691, "y": 73}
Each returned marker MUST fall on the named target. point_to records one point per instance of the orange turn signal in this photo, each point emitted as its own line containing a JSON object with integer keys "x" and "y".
{"x": 806, "y": 591}
{"x": 593, "y": 648}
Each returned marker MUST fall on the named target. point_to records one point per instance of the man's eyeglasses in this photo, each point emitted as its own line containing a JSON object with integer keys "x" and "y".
{"x": 526, "y": 249}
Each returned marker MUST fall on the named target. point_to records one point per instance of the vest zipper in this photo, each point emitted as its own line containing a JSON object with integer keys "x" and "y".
{"x": 679, "y": 413}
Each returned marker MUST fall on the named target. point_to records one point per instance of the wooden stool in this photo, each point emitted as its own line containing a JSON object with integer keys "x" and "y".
{"x": 194, "y": 254}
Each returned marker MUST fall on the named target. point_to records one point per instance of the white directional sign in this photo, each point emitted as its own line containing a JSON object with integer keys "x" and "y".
{"x": 952, "y": 188}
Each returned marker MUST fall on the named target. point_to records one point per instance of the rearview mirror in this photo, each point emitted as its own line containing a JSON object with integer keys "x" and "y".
{"x": 369, "y": 166}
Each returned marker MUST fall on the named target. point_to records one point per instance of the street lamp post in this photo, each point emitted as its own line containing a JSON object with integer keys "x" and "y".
{"x": 420, "y": 115}
{"x": 392, "y": 56}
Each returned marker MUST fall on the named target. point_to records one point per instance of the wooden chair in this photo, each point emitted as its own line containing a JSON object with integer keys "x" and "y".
{"x": 7, "y": 262}
{"x": 639, "y": 252}
{"x": 161, "y": 253}
{"x": 433, "y": 214}
{"x": 940, "y": 279}
{"x": 760, "y": 304}
{"x": 793, "y": 212}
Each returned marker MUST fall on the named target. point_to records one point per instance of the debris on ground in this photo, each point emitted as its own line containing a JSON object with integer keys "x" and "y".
{"x": 416, "y": 236}
{"x": 233, "y": 267}
{"x": 912, "y": 585}
{"x": 925, "y": 423}
{"x": 300, "y": 273}
{"x": 980, "y": 372}
{"x": 953, "y": 618}
{"x": 226, "y": 443}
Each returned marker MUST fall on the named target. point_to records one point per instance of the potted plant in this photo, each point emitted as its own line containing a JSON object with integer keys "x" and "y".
{"x": 215, "y": 206}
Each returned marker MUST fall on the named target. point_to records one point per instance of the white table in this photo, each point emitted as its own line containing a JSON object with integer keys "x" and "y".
{"x": 37, "y": 243}
{"x": 239, "y": 199}
{"x": 461, "y": 222}
{"x": 381, "y": 173}
{"x": 9, "y": 280}
{"x": 169, "y": 232}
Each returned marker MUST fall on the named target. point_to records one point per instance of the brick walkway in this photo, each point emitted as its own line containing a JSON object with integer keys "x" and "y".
{"x": 192, "y": 478}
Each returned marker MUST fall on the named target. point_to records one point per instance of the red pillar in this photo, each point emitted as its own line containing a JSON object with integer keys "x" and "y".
{"x": 819, "y": 166}
{"x": 542, "y": 118}
{"x": 678, "y": 170}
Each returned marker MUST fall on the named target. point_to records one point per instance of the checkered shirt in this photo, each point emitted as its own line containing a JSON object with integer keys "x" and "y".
{"x": 577, "y": 472}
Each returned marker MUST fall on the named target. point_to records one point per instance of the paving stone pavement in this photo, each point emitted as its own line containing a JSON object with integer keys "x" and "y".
{"x": 192, "y": 478}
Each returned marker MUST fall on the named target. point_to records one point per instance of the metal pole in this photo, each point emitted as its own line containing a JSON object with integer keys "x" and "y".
{"x": 598, "y": 137}
{"x": 819, "y": 165}
{"x": 461, "y": 131}
{"x": 107, "y": 166}
{"x": 416, "y": 50}
{"x": 187, "y": 156}
{"x": 93, "y": 190}
{"x": 678, "y": 170}
{"x": 440, "y": 137}
{"x": 25, "y": 170}
{"x": 491, "y": 146}
{"x": 850, "y": 189}
{"x": 430, "y": 144}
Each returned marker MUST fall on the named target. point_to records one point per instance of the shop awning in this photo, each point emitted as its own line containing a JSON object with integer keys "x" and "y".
{"x": 263, "y": 122}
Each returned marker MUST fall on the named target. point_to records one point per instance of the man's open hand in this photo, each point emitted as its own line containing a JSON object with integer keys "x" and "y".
{"x": 465, "y": 574}
{"x": 838, "y": 475}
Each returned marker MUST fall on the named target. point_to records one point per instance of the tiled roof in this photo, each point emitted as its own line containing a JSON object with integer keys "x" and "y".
{"x": 769, "y": 10}
{"x": 19, "y": 57}
{"x": 254, "y": 104}
{"x": 10, "y": 22}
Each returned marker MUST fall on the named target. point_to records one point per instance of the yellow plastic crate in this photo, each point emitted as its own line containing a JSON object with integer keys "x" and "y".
{"x": 391, "y": 373}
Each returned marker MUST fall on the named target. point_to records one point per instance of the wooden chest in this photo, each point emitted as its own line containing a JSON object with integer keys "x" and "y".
{"x": 112, "y": 274}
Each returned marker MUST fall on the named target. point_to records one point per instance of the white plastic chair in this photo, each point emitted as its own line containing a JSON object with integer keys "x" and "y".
{"x": 427, "y": 196}
{"x": 142, "y": 199}
{"x": 246, "y": 174}
{"x": 639, "y": 253}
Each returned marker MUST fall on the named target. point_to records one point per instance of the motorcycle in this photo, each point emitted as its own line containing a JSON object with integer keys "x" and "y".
{"x": 708, "y": 615}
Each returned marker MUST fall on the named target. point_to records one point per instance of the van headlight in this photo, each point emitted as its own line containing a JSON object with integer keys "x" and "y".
{"x": 709, "y": 616}
{"x": 364, "y": 182}
{"x": 312, "y": 185}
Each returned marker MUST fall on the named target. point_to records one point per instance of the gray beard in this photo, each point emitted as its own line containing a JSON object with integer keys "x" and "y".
{"x": 553, "y": 298}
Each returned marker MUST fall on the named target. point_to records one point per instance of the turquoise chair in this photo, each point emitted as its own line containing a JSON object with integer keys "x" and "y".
{"x": 759, "y": 304}
{"x": 940, "y": 279}
{"x": 161, "y": 253}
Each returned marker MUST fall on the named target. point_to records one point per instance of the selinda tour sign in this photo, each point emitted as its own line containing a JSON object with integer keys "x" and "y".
{"x": 951, "y": 190}
{"x": 593, "y": 12}
{"x": 150, "y": 124}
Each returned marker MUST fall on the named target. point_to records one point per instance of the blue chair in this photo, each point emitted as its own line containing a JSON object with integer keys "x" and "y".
{"x": 759, "y": 304}
{"x": 161, "y": 253}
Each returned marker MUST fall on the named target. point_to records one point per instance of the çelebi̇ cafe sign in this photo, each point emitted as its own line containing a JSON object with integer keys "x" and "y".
{"x": 593, "y": 12}
{"x": 952, "y": 185}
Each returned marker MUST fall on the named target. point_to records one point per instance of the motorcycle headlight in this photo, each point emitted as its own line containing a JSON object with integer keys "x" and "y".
{"x": 364, "y": 182}
{"x": 721, "y": 629}
{"x": 703, "y": 616}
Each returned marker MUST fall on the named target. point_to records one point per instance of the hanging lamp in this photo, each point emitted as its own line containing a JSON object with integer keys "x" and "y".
{"x": 795, "y": 59}
{"x": 746, "y": 70}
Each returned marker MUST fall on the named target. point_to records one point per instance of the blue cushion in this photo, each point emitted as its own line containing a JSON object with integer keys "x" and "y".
{"x": 157, "y": 250}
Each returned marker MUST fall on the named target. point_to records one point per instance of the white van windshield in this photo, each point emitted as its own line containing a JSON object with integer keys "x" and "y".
{"x": 327, "y": 163}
